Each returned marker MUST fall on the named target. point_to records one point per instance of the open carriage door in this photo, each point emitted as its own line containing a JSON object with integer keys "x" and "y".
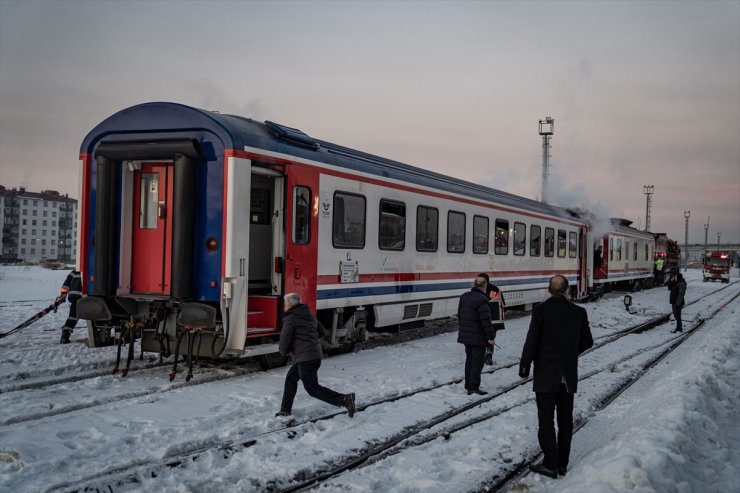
{"x": 151, "y": 259}
{"x": 266, "y": 252}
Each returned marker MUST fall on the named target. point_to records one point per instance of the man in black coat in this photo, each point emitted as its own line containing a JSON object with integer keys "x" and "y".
{"x": 558, "y": 333}
{"x": 474, "y": 318}
{"x": 301, "y": 337}
{"x": 677, "y": 286}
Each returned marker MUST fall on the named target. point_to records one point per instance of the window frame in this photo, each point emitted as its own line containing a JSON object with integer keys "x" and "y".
{"x": 450, "y": 213}
{"x": 549, "y": 249}
{"x": 496, "y": 227}
{"x": 436, "y": 230}
{"x": 294, "y": 236}
{"x": 487, "y": 222}
{"x": 380, "y": 224}
{"x": 539, "y": 240}
{"x": 523, "y": 242}
{"x": 334, "y": 219}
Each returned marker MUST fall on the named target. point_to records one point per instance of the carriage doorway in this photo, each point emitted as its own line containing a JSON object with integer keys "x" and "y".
{"x": 152, "y": 229}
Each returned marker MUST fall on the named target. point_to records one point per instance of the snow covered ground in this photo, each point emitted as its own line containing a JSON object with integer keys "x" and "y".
{"x": 676, "y": 430}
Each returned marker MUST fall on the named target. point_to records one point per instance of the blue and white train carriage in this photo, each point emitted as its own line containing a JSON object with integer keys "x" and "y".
{"x": 198, "y": 223}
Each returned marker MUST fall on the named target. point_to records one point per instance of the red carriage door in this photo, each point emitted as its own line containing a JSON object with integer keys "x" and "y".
{"x": 152, "y": 229}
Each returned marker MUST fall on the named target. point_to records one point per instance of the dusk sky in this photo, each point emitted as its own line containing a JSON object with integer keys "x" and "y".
{"x": 643, "y": 93}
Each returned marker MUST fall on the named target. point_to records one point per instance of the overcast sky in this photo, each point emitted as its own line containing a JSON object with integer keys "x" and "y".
{"x": 643, "y": 93}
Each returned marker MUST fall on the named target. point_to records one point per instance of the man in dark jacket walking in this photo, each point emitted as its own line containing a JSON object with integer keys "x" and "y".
{"x": 474, "y": 318}
{"x": 301, "y": 337}
{"x": 71, "y": 291}
{"x": 677, "y": 286}
{"x": 558, "y": 333}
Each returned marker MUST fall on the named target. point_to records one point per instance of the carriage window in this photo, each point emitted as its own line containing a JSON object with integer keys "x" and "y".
{"x": 561, "y": 243}
{"x": 520, "y": 238}
{"x": 480, "y": 234}
{"x": 455, "y": 232}
{"x": 392, "y": 228}
{"x": 549, "y": 242}
{"x": 148, "y": 201}
{"x": 619, "y": 249}
{"x": 572, "y": 245}
{"x": 634, "y": 251}
{"x": 626, "y": 249}
{"x": 611, "y": 248}
{"x": 535, "y": 240}
{"x": 348, "y": 222}
{"x": 427, "y": 227}
{"x": 647, "y": 257}
{"x": 301, "y": 215}
{"x": 501, "y": 238}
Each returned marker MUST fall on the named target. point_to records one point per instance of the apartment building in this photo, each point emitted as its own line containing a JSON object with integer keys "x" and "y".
{"x": 37, "y": 226}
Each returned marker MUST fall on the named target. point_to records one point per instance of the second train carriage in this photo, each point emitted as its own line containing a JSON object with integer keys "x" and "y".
{"x": 194, "y": 221}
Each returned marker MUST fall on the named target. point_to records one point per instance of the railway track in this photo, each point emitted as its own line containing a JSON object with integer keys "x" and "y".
{"x": 445, "y": 424}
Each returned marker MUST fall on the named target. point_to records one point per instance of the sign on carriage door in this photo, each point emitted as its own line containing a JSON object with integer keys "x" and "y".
{"x": 152, "y": 229}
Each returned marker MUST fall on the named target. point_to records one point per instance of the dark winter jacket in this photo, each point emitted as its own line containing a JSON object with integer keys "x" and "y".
{"x": 301, "y": 334}
{"x": 558, "y": 333}
{"x": 474, "y": 319}
{"x": 678, "y": 290}
{"x": 72, "y": 286}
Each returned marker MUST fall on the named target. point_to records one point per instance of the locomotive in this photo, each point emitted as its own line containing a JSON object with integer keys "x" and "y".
{"x": 194, "y": 224}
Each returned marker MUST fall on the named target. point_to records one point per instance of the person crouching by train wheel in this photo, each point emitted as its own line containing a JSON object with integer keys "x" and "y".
{"x": 71, "y": 290}
{"x": 677, "y": 287}
{"x": 301, "y": 339}
{"x": 494, "y": 294}
{"x": 475, "y": 330}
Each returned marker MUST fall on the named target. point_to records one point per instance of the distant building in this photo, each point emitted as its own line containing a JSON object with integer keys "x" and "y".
{"x": 37, "y": 226}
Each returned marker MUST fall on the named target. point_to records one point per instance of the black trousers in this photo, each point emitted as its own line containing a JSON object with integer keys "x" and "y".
{"x": 474, "y": 358}
{"x": 307, "y": 372}
{"x": 556, "y": 451}
{"x": 72, "y": 317}
{"x": 677, "y": 314}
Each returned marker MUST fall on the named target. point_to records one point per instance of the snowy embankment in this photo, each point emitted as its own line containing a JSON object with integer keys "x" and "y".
{"x": 675, "y": 430}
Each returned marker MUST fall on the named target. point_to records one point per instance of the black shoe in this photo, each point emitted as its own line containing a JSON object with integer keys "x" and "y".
{"x": 281, "y": 414}
{"x": 489, "y": 359}
{"x": 477, "y": 391}
{"x": 676, "y": 330}
{"x": 562, "y": 471}
{"x": 348, "y": 402}
{"x": 65, "y": 336}
{"x": 545, "y": 471}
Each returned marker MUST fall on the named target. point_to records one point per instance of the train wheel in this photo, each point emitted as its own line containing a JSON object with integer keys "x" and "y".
{"x": 272, "y": 360}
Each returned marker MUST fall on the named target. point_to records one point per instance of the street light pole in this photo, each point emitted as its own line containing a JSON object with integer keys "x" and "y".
{"x": 686, "y": 214}
{"x": 648, "y": 190}
{"x": 718, "y": 235}
{"x": 547, "y": 129}
{"x": 706, "y": 233}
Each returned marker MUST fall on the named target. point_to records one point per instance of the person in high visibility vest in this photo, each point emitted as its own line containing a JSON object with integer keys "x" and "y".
{"x": 659, "y": 265}
{"x": 71, "y": 290}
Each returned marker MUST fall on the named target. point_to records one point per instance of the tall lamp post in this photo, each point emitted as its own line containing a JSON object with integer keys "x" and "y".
{"x": 706, "y": 233}
{"x": 686, "y": 214}
{"x": 648, "y": 190}
{"x": 547, "y": 129}
{"x": 718, "y": 235}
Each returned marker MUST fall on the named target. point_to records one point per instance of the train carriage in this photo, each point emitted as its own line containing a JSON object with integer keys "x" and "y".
{"x": 626, "y": 258}
{"x": 195, "y": 222}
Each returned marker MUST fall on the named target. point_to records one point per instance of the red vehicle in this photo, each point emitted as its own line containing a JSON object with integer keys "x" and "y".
{"x": 717, "y": 267}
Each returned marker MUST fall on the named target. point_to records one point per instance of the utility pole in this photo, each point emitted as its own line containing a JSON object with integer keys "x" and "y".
{"x": 648, "y": 190}
{"x": 547, "y": 129}
{"x": 686, "y": 214}
{"x": 706, "y": 233}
